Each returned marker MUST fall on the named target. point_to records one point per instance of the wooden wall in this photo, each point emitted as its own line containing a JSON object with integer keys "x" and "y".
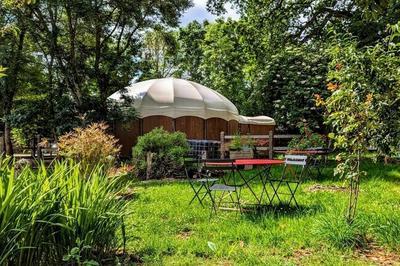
{"x": 214, "y": 126}
{"x": 260, "y": 129}
{"x": 233, "y": 127}
{"x": 192, "y": 126}
{"x": 151, "y": 122}
{"x": 244, "y": 129}
{"x": 127, "y": 135}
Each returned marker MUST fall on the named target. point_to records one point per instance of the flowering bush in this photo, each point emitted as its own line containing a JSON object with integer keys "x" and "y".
{"x": 90, "y": 146}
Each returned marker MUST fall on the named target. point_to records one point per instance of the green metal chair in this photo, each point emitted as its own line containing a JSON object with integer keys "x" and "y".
{"x": 199, "y": 182}
{"x": 291, "y": 178}
{"x": 224, "y": 168}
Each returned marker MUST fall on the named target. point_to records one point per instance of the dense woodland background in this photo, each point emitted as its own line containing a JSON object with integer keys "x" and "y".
{"x": 62, "y": 59}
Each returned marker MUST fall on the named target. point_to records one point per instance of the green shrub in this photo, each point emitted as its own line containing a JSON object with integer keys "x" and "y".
{"x": 46, "y": 213}
{"x": 308, "y": 139}
{"x": 168, "y": 151}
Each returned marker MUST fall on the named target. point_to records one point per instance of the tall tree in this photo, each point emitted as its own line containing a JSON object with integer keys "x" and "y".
{"x": 159, "y": 54}
{"x": 12, "y": 56}
{"x": 190, "y": 39}
{"x": 92, "y": 45}
{"x": 306, "y": 20}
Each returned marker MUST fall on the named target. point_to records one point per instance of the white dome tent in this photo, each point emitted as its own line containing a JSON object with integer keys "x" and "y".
{"x": 176, "y": 98}
{"x": 182, "y": 105}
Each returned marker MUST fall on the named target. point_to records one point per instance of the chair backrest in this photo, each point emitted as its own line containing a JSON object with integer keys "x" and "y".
{"x": 294, "y": 167}
{"x": 300, "y": 160}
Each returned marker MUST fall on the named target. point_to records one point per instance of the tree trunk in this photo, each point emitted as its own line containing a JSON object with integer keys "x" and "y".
{"x": 11, "y": 89}
{"x": 7, "y": 139}
{"x": 354, "y": 190}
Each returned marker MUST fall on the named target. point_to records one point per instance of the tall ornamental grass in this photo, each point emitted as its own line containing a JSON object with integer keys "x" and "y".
{"x": 46, "y": 213}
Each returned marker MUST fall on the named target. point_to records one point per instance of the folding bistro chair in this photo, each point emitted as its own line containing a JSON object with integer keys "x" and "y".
{"x": 292, "y": 176}
{"x": 200, "y": 183}
{"x": 229, "y": 187}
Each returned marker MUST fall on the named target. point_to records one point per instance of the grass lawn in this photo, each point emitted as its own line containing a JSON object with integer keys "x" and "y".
{"x": 164, "y": 229}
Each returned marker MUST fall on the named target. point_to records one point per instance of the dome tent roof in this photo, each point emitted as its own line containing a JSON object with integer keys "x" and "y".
{"x": 174, "y": 98}
{"x": 257, "y": 120}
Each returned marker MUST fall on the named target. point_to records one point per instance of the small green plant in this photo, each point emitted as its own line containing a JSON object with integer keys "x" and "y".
{"x": 160, "y": 153}
{"x": 74, "y": 255}
{"x": 236, "y": 143}
{"x": 341, "y": 234}
{"x": 239, "y": 143}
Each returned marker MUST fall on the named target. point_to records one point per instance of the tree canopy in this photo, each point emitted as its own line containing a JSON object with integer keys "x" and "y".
{"x": 60, "y": 60}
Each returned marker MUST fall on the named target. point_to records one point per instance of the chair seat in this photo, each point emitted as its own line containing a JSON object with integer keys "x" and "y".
{"x": 222, "y": 187}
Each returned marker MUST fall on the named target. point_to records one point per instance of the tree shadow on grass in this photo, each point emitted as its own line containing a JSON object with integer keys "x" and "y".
{"x": 281, "y": 210}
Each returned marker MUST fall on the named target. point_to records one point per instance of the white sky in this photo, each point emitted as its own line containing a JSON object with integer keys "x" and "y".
{"x": 199, "y": 12}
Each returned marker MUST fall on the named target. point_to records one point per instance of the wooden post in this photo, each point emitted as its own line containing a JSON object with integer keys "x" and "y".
{"x": 222, "y": 148}
{"x": 38, "y": 148}
{"x": 149, "y": 162}
{"x": 271, "y": 144}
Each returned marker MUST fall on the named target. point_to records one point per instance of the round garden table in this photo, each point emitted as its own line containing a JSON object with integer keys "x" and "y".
{"x": 262, "y": 173}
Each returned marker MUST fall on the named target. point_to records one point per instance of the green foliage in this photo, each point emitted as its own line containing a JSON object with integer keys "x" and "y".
{"x": 241, "y": 62}
{"x": 364, "y": 104}
{"x": 236, "y": 143}
{"x": 122, "y": 112}
{"x": 240, "y": 142}
{"x": 292, "y": 77}
{"x": 29, "y": 118}
{"x": 74, "y": 54}
{"x": 388, "y": 229}
{"x": 308, "y": 139}
{"x": 19, "y": 138}
{"x": 45, "y": 213}
{"x": 2, "y": 71}
{"x": 169, "y": 150}
{"x": 350, "y": 114}
{"x": 294, "y": 21}
{"x": 228, "y": 64}
{"x": 74, "y": 255}
{"x": 159, "y": 54}
{"x": 190, "y": 40}
{"x": 341, "y": 234}
{"x": 361, "y": 109}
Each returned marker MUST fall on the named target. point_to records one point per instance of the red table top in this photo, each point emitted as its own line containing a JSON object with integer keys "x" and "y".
{"x": 250, "y": 162}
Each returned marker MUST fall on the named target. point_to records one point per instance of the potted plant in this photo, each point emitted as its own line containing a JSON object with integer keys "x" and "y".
{"x": 241, "y": 148}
